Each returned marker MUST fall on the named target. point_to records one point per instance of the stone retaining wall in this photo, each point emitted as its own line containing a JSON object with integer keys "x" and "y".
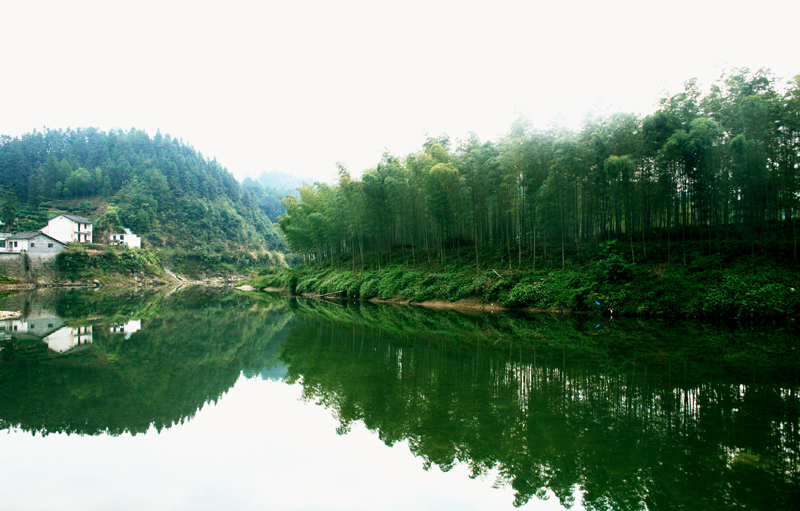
{"x": 37, "y": 267}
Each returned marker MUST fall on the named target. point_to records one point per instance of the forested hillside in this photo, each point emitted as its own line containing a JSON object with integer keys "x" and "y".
{"x": 187, "y": 206}
{"x": 715, "y": 168}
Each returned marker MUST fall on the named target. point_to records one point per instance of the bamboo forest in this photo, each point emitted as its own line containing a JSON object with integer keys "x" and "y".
{"x": 715, "y": 166}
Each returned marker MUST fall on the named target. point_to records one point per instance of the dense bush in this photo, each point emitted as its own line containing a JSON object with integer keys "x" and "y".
{"x": 748, "y": 289}
{"x": 82, "y": 261}
{"x": 615, "y": 269}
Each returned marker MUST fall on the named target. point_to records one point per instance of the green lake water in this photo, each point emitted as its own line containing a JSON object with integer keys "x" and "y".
{"x": 205, "y": 398}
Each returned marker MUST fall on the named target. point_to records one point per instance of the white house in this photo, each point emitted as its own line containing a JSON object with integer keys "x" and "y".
{"x": 127, "y": 238}
{"x": 67, "y": 228}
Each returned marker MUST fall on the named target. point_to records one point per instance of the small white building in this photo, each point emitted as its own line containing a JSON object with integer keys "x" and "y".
{"x": 33, "y": 242}
{"x": 127, "y": 238}
{"x": 67, "y": 228}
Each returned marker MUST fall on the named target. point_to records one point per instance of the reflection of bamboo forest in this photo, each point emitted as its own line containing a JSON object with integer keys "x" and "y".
{"x": 193, "y": 346}
{"x": 638, "y": 417}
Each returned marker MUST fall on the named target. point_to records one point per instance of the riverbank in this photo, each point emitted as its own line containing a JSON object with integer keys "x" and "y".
{"x": 748, "y": 288}
{"x": 82, "y": 265}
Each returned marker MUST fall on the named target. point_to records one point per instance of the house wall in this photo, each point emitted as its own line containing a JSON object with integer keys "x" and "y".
{"x": 12, "y": 245}
{"x": 130, "y": 240}
{"x": 43, "y": 245}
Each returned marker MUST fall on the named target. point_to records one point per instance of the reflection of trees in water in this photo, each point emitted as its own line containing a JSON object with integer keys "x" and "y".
{"x": 654, "y": 435}
{"x": 191, "y": 349}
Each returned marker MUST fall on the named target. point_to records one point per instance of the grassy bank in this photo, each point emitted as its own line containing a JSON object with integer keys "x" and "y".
{"x": 708, "y": 285}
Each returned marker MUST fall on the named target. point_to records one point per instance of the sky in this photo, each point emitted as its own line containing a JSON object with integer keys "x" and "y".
{"x": 298, "y": 86}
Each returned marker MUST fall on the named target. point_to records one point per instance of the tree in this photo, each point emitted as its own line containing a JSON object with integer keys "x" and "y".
{"x": 8, "y": 207}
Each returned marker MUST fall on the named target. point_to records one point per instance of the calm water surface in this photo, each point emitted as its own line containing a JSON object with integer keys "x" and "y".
{"x": 209, "y": 399}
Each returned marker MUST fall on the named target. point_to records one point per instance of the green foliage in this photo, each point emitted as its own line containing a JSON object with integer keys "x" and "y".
{"x": 614, "y": 269}
{"x": 749, "y": 289}
{"x": 370, "y": 288}
{"x": 82, "y": 261}
{"x": 526, "y": 294}
{"x": 743, "y": 296}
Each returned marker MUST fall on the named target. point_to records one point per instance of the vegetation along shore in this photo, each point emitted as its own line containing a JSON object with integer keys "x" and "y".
{"x": 711, "y": 285}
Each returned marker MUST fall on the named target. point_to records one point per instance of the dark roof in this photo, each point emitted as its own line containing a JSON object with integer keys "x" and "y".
{"x": 26, "y": 235}
{"x": 75, "y": 218}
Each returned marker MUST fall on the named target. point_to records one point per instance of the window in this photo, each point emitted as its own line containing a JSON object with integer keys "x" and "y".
{"x": 33, "y": 244}
{"x": 2, "y": 243}
{"x": 49, "y": 245}
{"x": 121, "y": 237}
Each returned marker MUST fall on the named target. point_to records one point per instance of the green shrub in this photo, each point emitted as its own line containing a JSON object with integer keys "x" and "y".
{"x": 370, "y": 288}
{"x": 522, "y": 295}
{"x": 614, "y": 269}
{"x": 354, "y": 289}
{"x": 391, "y": 282}
{"x": 420, "y": 293}
{"x": 78, "y": 260}
{"x": 293, "y": 284}
{"x": 498, "y": 291}
{"x": 747, "y": 298}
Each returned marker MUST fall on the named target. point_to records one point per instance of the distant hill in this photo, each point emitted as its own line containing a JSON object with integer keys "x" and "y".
{"x": 282, "y": 181}
{"x": 271, "y": 188}
{"x": 183, "y": 204}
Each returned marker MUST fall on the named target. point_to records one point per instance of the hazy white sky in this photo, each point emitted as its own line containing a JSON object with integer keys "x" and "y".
{"x": 298, "y": 86}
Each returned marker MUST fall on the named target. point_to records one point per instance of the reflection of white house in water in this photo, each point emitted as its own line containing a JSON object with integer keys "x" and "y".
{"x": 50, "y": 329}
{"x": 67, "y": 338}
{"x": 32, "y": 327}
{"x": 128, "y": 328}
